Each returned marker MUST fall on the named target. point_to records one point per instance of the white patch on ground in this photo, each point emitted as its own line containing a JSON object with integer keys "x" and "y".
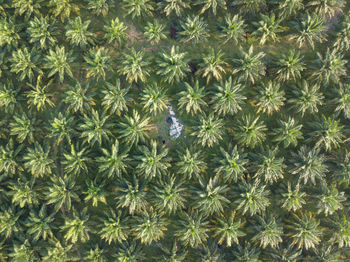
{"x": 176, "y": 126}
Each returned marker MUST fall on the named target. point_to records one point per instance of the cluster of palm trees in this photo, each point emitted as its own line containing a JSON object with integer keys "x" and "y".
{"x": 261, "y": 171}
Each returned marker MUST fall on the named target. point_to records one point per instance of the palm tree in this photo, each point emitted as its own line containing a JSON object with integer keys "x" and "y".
{"x": 154, "y": 99}
{"x": 154, "y": 32}
{"x": 169, "y": 195}
{"x": 269, "y": 232}
{"x": 38, "y": 97}
{"x": 9, "y": 34}
{"x": 290, "y": 7}
{"x": 307, "y": 99}
{"x": 327, "y": 133}
{"x": 134, "y": 66}
{"x": 227, "y": 229}
{"x": 341, "y": 228}
{"x": 342, "y": 100}
{"x": 233, "y": 29}
{"x": 246, "y": 253}
{"x": 173, "y": 254}
{"x": 24, "y": 251}
{"x": 342, "y": 41}
{"x": 77, "y": 32}
{"x": 191, "y": 163}
{"x": 134, "y": 128}
{"x": 248, "y": 66}
{"x": 10, "y": 222}
{"x": 42, "y": 31}
{"x": 25, "y": 128}
{"x": 309, "y": 164}
{"x": 149, "y": 226}
{"x": 78, "y": 98}
{"x": 132, "y": 195}
{"x": 62, "y": 192}
{"x": 129, "y": 252}
{"x": 76, "y": 161}
{"x": 115, "y": 31}
{"x": 192, "y": 229}
{"x": 330, "y": 200}
{"x": 210, "y": 198}
{"x": 58, "y": 62}
{"x": 37, "y": 160}
{"x": 293, "y": 199}
{"x": 209, "y": 130}
{"x": 327, "y": 8}
{"x": 270, "y": 98}
{"x": 194, "y": 29}
{"x": 25, "y": 63}
{"x": 9, "y": 97}
{"x": 115, "y": 99}
{"x": 99, "y": 7}
{"x": 114, "y": 228}
{"x": 9, "y": 162}
{"x": 40, "y": 224}
{"x": 24, "y": 192}
{"x": 213, "y": 4}
{"x": 96, "y": 193}
{"x": 113, "y": 163}
{"x": 61, "y": 128}
{"x": 138, "y": 8}
{"x": 153, "y": 162}
{"x": 176, "y": 6}
{"x": 250, "y": 132}
{"x": 76, "y": 227}
{"x": 210, "y": 252}
{"x": 289, "y": 66}
{"x": 95, "y": 128}
{"x": 309, "y": 28}
{"x": 213, "y": 65}
{"x": 96, "y": 255}
{"x": 192, "y": 99}
{"x": 268, "y": 28}
{"x": 285, "y": 254}
{"x": 304, "y": 231}
{"x": 330, "y": 68}
{"x": 58, "y": 253}
{"x": 250, "y": 6}
{"x": 63, "y": 8}
{"x": 97, "y": 61}
{"x": 288, "y": 133}
{"x": 27, "y": 8}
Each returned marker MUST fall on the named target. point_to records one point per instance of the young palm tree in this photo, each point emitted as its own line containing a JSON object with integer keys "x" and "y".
{"x": 9, "y": 97}
{"x": 270, "y": 98}
{"x": 154, "y": 99}
{"x": 307, "y": 99}
{"x": 309, "y": 164}
{"x": 248, "y": 65}
{"x": 250, "y": 132}
{"x": 9, "y": 159}
{"x": 115, "y": 31}
{"x": 289, "y": 66}
{"x": 10, "y": 222}
{"x": 269, "y": 232}
{"x": 250, "y": 6}
{"x": 115, "y": 99}
{"x": 76, "y": 161}
{"x": 63, "y": 8}
{"x": 342, "y": 100}
{"x": 9, "y": 34}
{"x": 284, "y": 254}
{"x": 227, "y": 229}
{"x": 25, "y": 128}
{"x": 169, "y": 195}
{"x": 191, "y": 163}
{"x": 96, "y": 255}
{"x": 149, "y": 226}
{"x": 37, "y": 161}
{"x": 78, "y": 98}
{"x": 327, "y": 8}
{"x": 342, "y": 41}
{"x": 233, "y": 29}
{"x": 40, "y": 224}
{"x": 213, "y": 65}
{"x": 327, "y": 133}
{"x": 24, "y": 251}
{"x": 173, "y": 66}
{"x": 132, "y": 195}
{"x": 309, "y": 28}
{"x": 153, "y": 162}
{"x": 38, "y": 97}
{"x": 24, "y": 192}
{"x": 268, "y": 28}
{"x": 192, "y": 229}
{"x": 98, "y": 61}
{"x": 252, "y": 198}
{"x": 194, "y": 30}
{"x": 192, "y": 99}
{"x": 61, "y": 127}
{"x": 209, "y": 130}
{"x": 154, "y": 32}
{"x": 210, "y": 252}
{"x": 341, "y": 229}
{"x": 113, "y": 163}
{"x": 58, "y": 253}
{"x": 288, "y": 133}
{"x": 135, "y": 128}
{"x": 95, "y": 128}
{"x": 138, "y": 8}
{"x": 77, "y": 32}
{"x": 25, "y": 63}
{"x": 173, "y": 254}
{"x": 114, "y": 228}
{"x": 134, "y": 66}
{"x": 290, "y": 7}
{"x": 230, "y": 164}
{"x": 27, "y": 8}
{"x": 177, "y": 6}
{"x": 246, "y": 253}
{"x": 99, "y": 7}
{"x": 330, "y": 200}
{"x": 129, "y": 252}
{"x": 42, "y": 31}
{"x": 210, "y": 198}
{"x": 305, "y": 231}
{"x": 58, "y": 62}
{"x": 95, "y": 193}
{"x": 76, "y": 227}
{"x": 293, "y": 199}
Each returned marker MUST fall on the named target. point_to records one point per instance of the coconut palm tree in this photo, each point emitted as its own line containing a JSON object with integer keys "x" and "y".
{"x": 115, "y": 31}
{"x": 40, "y": 224}
{"x": 194, "y": 29}
{"x": 288, "y": 133}
{"x": 61, "y": 128}
{"x": 173, "y": 66}
{"x": 9, "y": 34}
{"x": 154, "y": 32}
{"x": 42, "y": 31}
{"x": 192, "y": 99}
{"x": 58, "y": 61}
{"x": 209, "y": 130}
{"x": 63, "y": 8}
{"x": 327, "y": 8}
{"x": 191, "y": 163}
{"x": 192, "y": 229}
{"x": 153, "y": 162}
{"x": 304, "y": 231}
{"x": 10, "y": 222}
{"x": 95, "y": 193}
{"x": 79, "y": 98}
{"x": 115, "y": 98}
{"x": 213, "y": 4}
{"x": 98, "y": 61}
{"x": 138, "y": 8}
{"x": 76, "y": 160}
{"x": 268, "y": 28}
{"x": 269, "y": 232}
{"x": 25, "y": 63}
{"x": 293, "y": 199}
{"x": 114, "y": 227}
{"x": 270, "y": 98}
{"x": 129, "y": 252}
{"x": 330, "y": 200}
{"x": 250, "y": 132}
{"x": 24, "y": 192}
{"x": 37, "y": 160}
{"x": 25, "y": 128}
{"x": 76, "y": 227}
{"x": 9, "y": 162}
{"x": 177, "y": 6}
{"x": 9, "y": 97}
{"x": 134, "y": 66}
{"x": 233, "y": 29}
{"x": 154, "y": 99}
{"x": 77, "y": 32}
{"x": 38, "y": 97}
{"x": 99, "y": 7}
{"x": 289, "y": 66}
{"x": 248, "y": 65}
{"x": 213, "y": 65}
